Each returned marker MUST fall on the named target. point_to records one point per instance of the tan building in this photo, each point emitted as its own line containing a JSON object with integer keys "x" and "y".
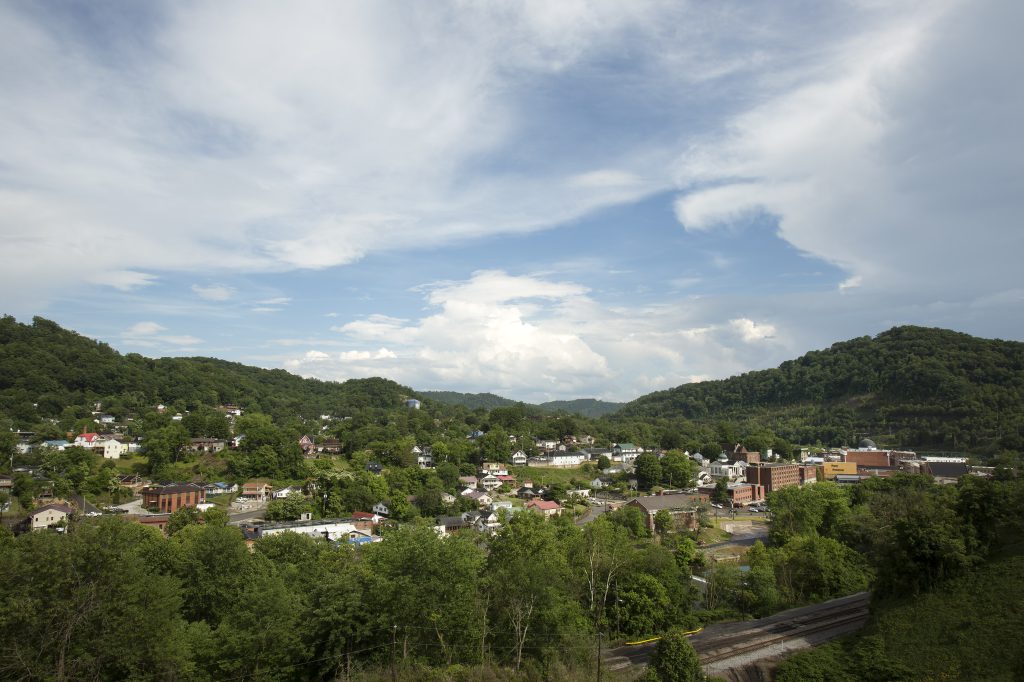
{"x": 827, "y": 471}
{"x": 48, "y": 515}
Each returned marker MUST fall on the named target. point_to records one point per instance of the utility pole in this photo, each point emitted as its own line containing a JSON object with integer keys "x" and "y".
{"x": 600, "y": 636}
{"x": 394, "y": 642}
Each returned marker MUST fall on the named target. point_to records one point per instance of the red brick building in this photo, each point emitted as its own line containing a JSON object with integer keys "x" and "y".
{"x": 868, "y": 458}
{"x": 773, "y": 476}
{"x": 740, "y": 494}
{"x": 170, "y": 498}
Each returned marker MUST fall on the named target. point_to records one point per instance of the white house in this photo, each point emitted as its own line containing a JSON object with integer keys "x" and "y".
{"x": 284, "y": 492}
{"x": 48, "y": 515}
{"x": 519, "y": 458}
{"x": 490, "y": 482}
{"x": 112, "y": 448}
{"x": 567, "y": 459}
{"x": 626, "y": 452}
{"x": 381, "y": 508}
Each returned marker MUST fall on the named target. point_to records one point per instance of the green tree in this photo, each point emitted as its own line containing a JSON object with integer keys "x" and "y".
{"x": 675, "y": 660}
{"x": 663, "y": 521}
{"x": 648, "y": 471}
{"x": 288, "y": 509}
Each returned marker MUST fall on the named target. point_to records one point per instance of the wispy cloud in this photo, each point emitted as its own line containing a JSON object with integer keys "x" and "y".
{"x": 214, "y": 292}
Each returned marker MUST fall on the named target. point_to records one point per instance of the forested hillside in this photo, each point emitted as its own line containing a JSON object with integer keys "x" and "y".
{"x": 487, "y": 401}
{"x": 53, "y": 369}
{"x": 585, "y": 407}
{"x": 921, "y": 387}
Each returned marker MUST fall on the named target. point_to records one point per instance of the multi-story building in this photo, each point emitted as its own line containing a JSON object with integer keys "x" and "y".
{"x": 170, "y": 498}
{"x": 773, "y": 476}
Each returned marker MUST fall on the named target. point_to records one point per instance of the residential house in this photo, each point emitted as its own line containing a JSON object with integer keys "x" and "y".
{"x": 626, "y": 452}
{"x": 507, "y": 480}
{"x": 86, "y": 439}
{"x": 500, "y": 504}
{"x": 469, "y": 481}
{"x": 6, "y": 484}
{"x": 106, "y": 419}
{"x": 56, "y": 444}
{"x": 480, "y": 497}
{"x": 446, "y": 525}
{"x": 366, "y": 521}
{"x": 486, "y": 522}
{"x": 578, "y": 494}
{"x": 546, "y": 508}
{"x": 424, "y": 456}
{"x": 448, "y": 498}
{"x": 525, "y": 493}
{"x": 375, "y": 468}
{"x": 495, "y": 468}
{"x": 220, "y": 488}
{"x": 490, "y": 482}
{"x": 236, "y": 442}
{"x": 170, "y": 498}
{"x": 309, "y": 450}
{"x": 519, "y": 458}
{"x": 282, "y": 493}
{"x": 48, "y": 515}
{"x": 258, "y": 489}
{"x": 330, "y": 446}
{"x": 599, "y": 483}
{"x": 212, "y": 445}
{"x": 381, "y": 508}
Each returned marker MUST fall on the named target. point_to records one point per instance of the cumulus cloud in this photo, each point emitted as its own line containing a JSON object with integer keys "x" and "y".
{"x": 537, "y": 338}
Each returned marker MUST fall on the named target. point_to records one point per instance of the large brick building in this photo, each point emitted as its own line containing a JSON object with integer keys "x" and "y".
{"x": 740, "y": 494}
{"x": 773, "y": 476}
{"x": 682, "y": 507}
{"x": 170, "y": 498}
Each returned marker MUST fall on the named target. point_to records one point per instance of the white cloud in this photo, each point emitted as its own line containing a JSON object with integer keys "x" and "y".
{"x": 150, "y": 334}
{"x": 751, "y": 331}
{"x": 367, "y": 127}
{"x": 144, "y": 329}
{"x": 214, "y": 292}
{"x": 891, "y": 157}
{"x": 536, "y": 338}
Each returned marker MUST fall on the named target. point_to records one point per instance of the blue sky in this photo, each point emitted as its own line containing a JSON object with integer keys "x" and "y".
{"x": 544, "y": 200}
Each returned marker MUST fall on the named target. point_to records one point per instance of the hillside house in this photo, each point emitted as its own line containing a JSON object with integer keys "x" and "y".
{"x": 48, "y": 515}
{"x": 546, "y": 508}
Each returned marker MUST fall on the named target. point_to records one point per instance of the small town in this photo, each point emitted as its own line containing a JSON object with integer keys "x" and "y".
{"x": 515, "y": 341}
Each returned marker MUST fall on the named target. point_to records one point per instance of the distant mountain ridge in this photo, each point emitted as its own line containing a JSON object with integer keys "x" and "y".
{"x": 586, "y": 407}
{"x": 44, "y": 369}
{"x": 934, "y": 386}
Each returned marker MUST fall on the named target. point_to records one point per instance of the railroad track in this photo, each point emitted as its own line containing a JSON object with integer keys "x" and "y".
{"x": 721, "y": 642}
